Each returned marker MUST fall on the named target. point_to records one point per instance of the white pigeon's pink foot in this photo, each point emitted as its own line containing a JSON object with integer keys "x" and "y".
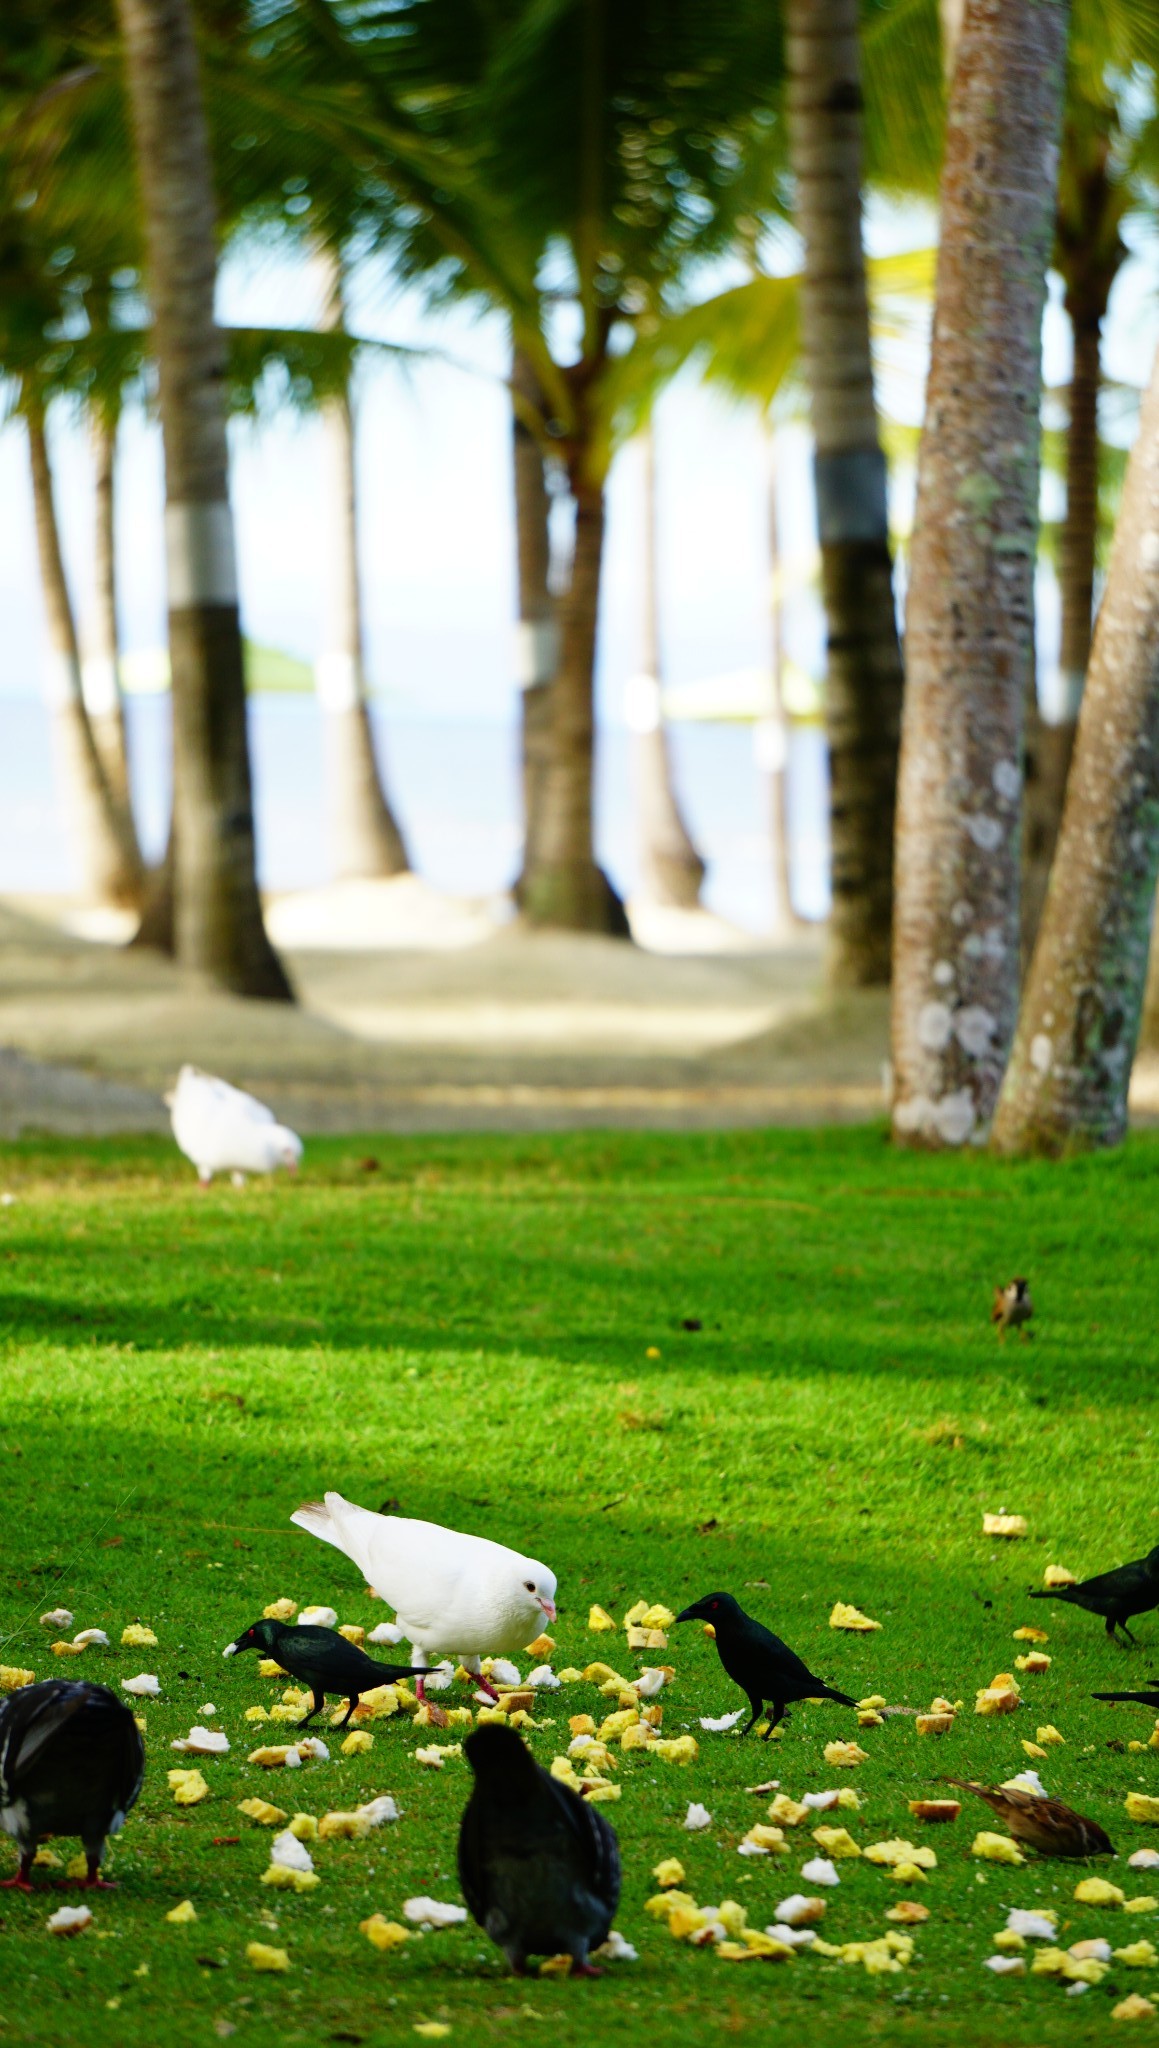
{"x": 486, "y": 1686}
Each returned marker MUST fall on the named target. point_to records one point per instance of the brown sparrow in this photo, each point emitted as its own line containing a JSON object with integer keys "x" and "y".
{"x": 1012, "y": 1307}
{"x": 1049, "y": 1826}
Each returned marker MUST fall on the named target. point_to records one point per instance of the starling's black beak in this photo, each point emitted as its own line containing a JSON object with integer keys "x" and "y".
{"x": 693, "y": 1613}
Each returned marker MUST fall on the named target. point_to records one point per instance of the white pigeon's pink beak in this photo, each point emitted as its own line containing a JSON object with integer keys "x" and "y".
{"x": 548, "y": 1607}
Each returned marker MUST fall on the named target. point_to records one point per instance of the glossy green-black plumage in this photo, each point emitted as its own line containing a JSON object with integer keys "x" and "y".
{"x": 758, "y": 1661}
{"x": 1117, "y": 1595}
{"x": 322, "y": 1659}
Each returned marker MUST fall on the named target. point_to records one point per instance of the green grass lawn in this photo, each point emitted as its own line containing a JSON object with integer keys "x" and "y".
{"x": 467, "y": 1331}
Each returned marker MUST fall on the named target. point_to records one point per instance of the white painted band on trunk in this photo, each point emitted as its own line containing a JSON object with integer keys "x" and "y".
{"x": 770, "y": 745}
{"x": 98, "y": 676}
{"x": 199, "y": 555}
{"x": 61, "y": 680}
{"x": 1069, "y": 697}
{"x": 338, "y": 680}
{"x": 642, "y": 703}
{"x": 536, "y": 651}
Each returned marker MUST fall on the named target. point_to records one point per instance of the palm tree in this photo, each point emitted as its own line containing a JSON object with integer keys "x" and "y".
{"x": 864, "y": 671}
{"x": 366, "y": 840}
{"x": 1066, "y": 1085}
{"x": 670, "y": 869}
{"x": 100, "y": 666}
{"x": 537, "y": 641}
{"x": 109, "y": 861}
{"x": 218, "y": 926}
{"x": 970, "y": 607}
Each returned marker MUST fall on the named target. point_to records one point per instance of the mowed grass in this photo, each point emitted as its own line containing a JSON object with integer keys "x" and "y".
{"x": 466, "y": 1331}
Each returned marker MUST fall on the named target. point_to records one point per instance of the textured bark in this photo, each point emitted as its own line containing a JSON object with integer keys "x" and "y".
{"x": 110, "y": 865}
{"x": 1066, "y": 1085}
{"x": 864, "y": 679}
{"x": 970, "y": 625}
{"x": 218, "y": 927}
{"x": 364, "y": 836}
{"x": 562, "y": 886}
{"x": 537, "y": 654}
{"x": 670, "y": 869}
{"x": 1046, "y": 753}
{"x": 773, "y": 742}
{"x": 100, "y": 667}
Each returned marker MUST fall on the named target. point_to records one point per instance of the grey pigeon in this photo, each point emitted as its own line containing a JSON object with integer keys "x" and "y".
{"x": 71, "y": 1763}
{"x": 540, "y": 1869}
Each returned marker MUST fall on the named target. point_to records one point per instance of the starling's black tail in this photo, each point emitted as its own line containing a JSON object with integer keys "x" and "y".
{"x": 1145, "y": 1699}
{"x": 1050, "y": 1592}
{"x": 826, "y": 1692}
{"x": 389, "y": 1672}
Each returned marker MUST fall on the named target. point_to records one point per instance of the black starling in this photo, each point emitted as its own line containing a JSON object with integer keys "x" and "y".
{"x": 71, "y": 1763}
{"x": 1143, "y": 1699}
{"x": 758, "y": 1661}
{"x": 1049, "y": 1826}
{"x": 1128, "y": 1590}
{"x": 540, "y": 1869}
{"x": 323, "y": 1659}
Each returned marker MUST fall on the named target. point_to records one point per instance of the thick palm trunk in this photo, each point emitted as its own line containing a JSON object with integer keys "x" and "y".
{"x": 364, "y": 837}
{"x": 970, "y": 624}
{"x": 109, "y": 862}
{"x": 1067, "y": 1081}
{"x": 772, "y": 734}
{"x": 670, "y": 869}
{"x": 100, "y": 666}
{"x": 864, "y": 678}
{"x": 217, "y": 919}
{"x": 537, "y": 633}
{"x": 562, "y": 886}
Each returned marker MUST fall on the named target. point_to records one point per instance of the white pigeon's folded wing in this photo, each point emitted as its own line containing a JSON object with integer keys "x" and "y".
{"x": 432, "y": 1577}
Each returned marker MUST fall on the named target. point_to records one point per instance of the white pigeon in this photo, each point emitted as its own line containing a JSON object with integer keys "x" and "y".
{"x": 224, "y": 1130}
{"x": 454, "y": 1595}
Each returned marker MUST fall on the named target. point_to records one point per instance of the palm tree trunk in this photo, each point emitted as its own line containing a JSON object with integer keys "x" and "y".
{"x": 109, "y": 862}
{"x": 1066, "y": 1085}
{"x": 772, "y": 735}
{"x": 970, "y": 624}
{"x": 864, "y": 682}
{"x": 1089, "y": 252}
{"x": 670, "y": 869}
{"x": 218, "y": 928}
{"x": 364, "y": 837}
{"x": 100, "y": 667}
{"x": 562, "y": 886}
{"x": 538, "y": 639}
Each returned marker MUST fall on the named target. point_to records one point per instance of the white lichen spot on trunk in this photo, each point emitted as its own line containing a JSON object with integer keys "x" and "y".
{"x": 935, "y": 1024}
{"x": 974, "y": 1028}
{"x": 986, "y": 832}
{"x": 1007, "y": 780}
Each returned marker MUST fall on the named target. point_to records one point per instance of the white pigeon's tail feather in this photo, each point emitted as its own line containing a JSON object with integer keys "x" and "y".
{"x": 314, "y": 1517}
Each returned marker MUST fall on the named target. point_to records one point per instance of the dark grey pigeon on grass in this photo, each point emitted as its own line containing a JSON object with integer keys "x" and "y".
{"x": 539, "y": 1867}
{"x": 71, "y": 1763}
